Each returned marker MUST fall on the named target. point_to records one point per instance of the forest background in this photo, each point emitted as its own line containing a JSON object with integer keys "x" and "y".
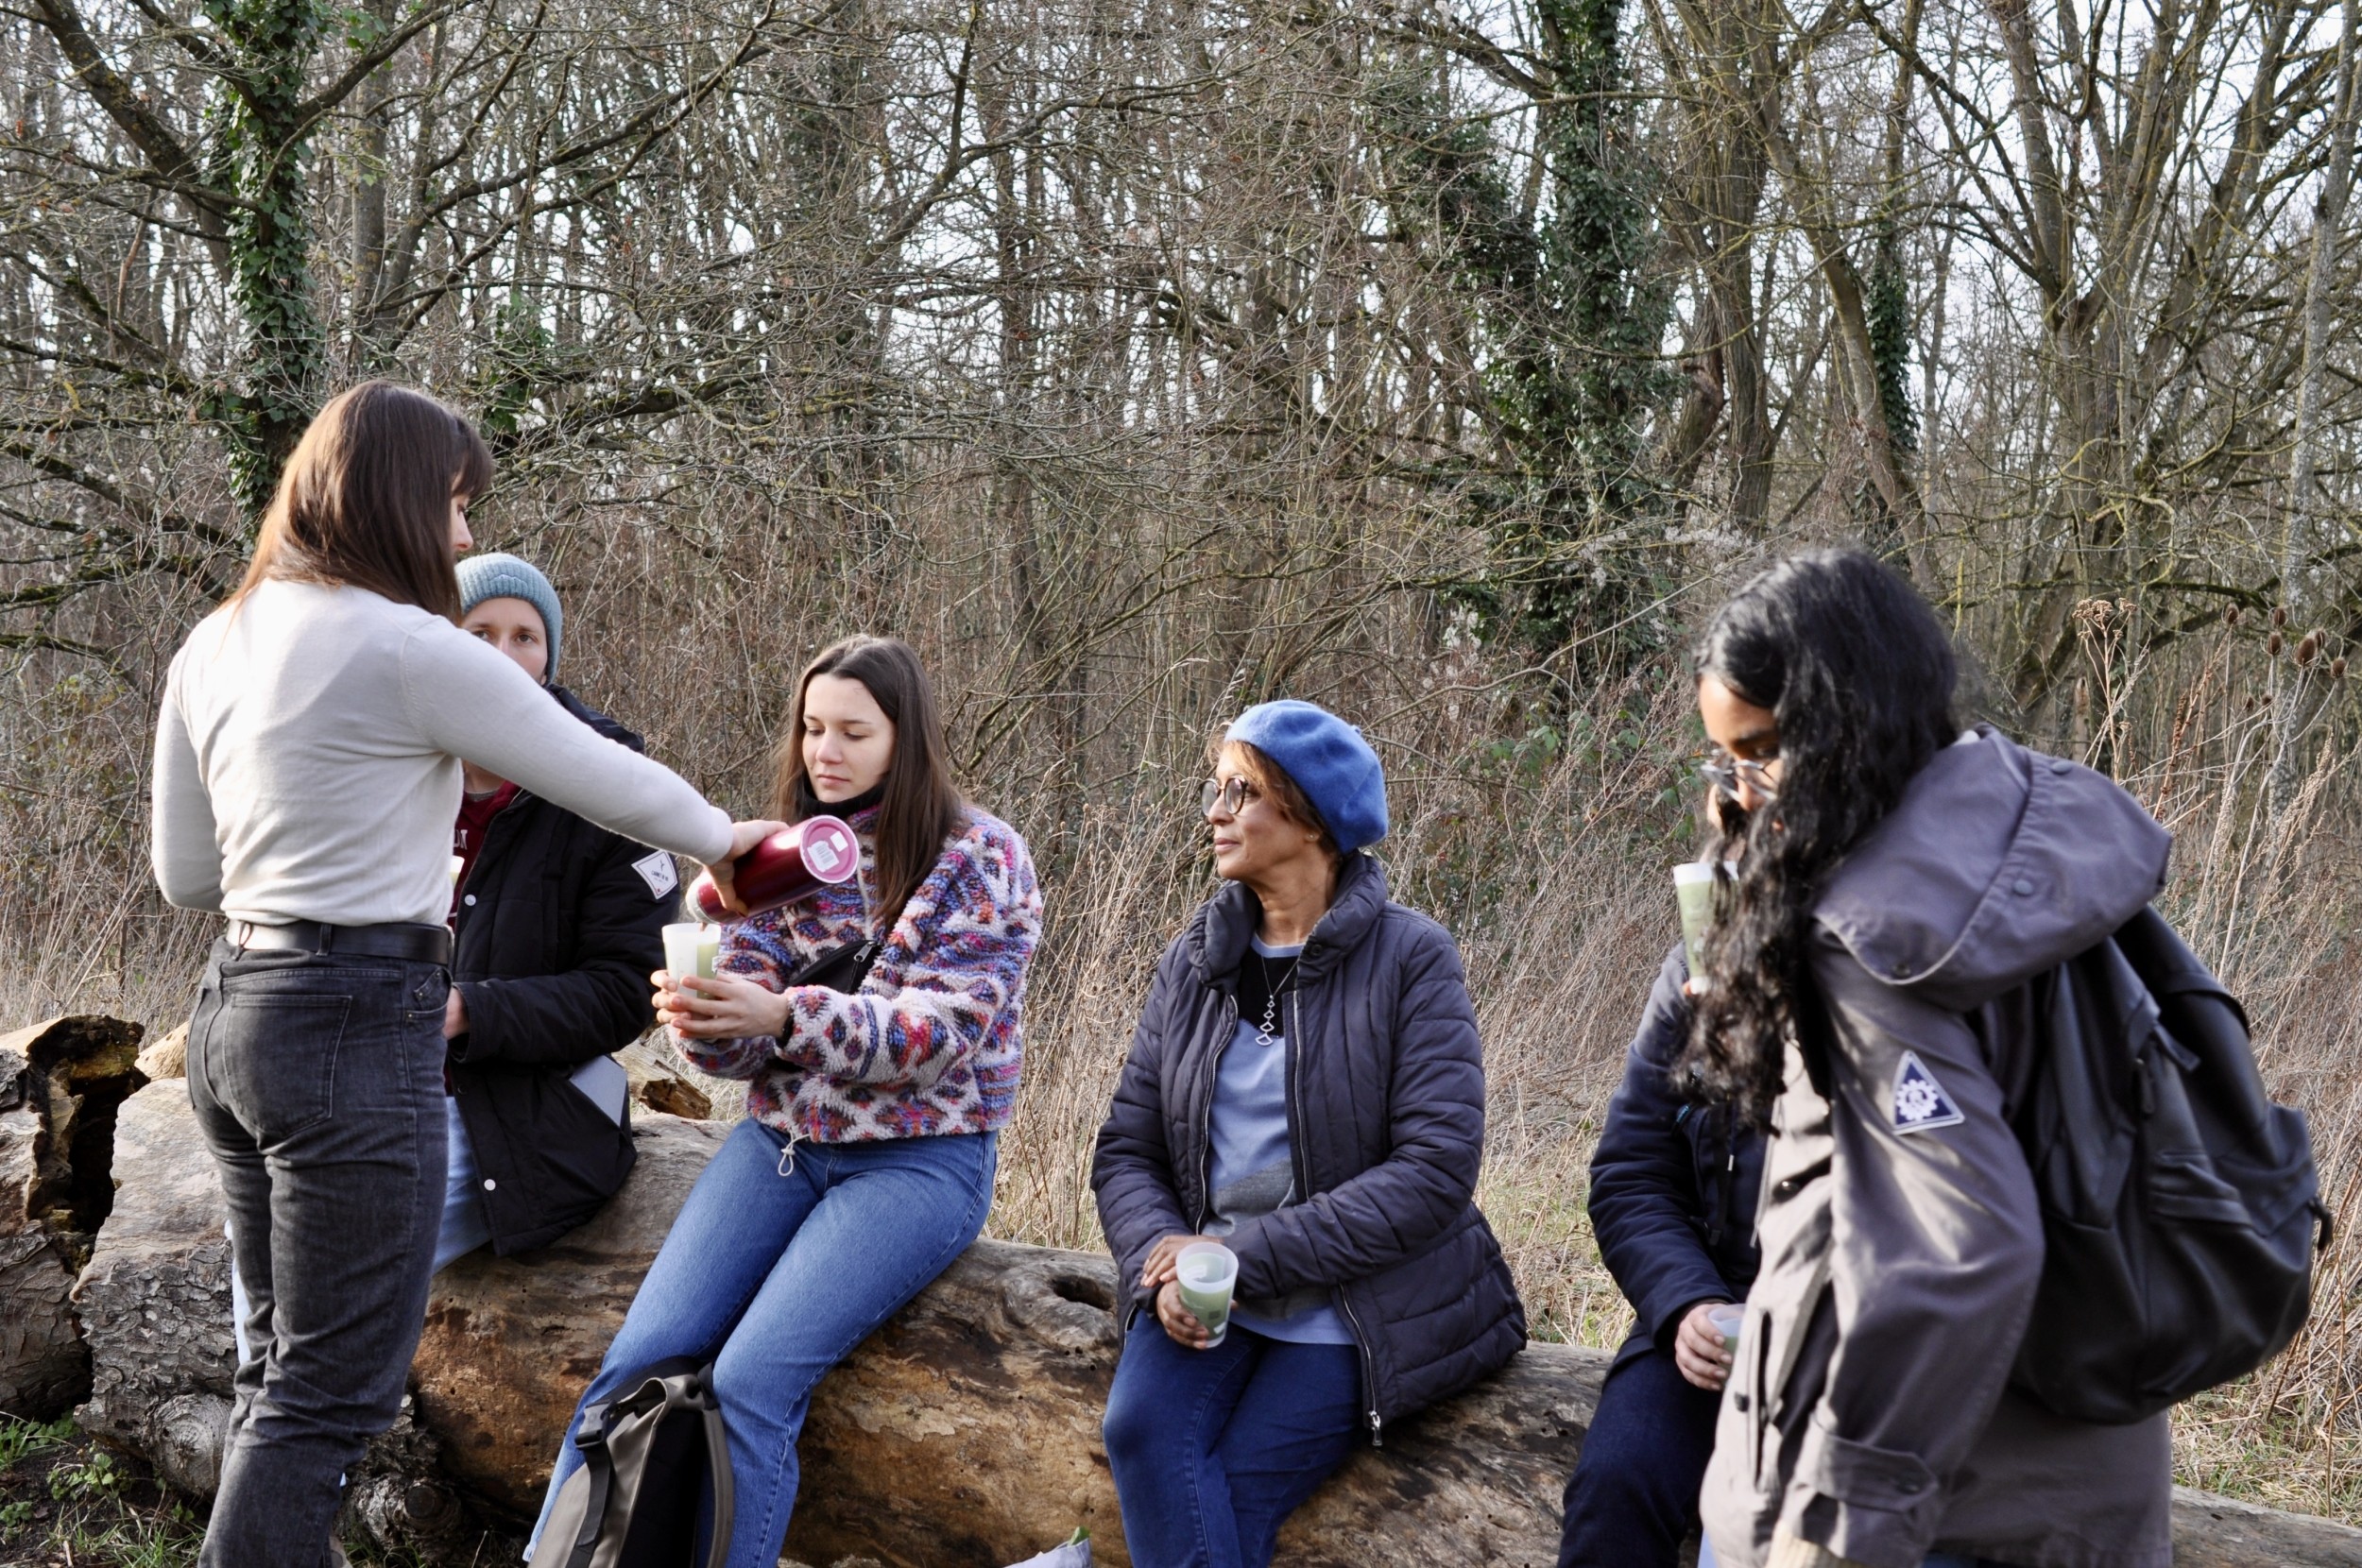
{"x": 1139, "y": 359}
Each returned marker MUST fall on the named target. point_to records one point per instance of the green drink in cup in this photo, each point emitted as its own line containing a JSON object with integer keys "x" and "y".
{"x": 1693, "y": 891}
{"x": 691, "y": 949}
{"x": 1208, "y": 1272}
{"x": 1728, "y": 1320}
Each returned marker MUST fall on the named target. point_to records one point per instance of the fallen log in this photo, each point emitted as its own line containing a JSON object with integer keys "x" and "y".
{"x": 154, "y": 1302}
{"x": 962, "y": 1435}
{"x": 60, "y": 1082}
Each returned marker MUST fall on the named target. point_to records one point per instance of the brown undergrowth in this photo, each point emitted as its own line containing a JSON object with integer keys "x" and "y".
{"x": 1543, "y": 839}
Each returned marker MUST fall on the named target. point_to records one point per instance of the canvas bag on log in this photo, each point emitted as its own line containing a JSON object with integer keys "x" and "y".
{"x": 651, "y": 1457}
{"x": 2178, "y": 1202}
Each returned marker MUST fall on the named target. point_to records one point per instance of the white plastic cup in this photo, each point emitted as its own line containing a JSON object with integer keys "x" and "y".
{"x": 692, "y": 947}
{"x": 1728, "y": 1320}
{"x": 1208, "y": 1272}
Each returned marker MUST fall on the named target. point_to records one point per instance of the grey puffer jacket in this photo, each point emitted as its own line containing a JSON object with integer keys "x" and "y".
{"x": 1869, "y": 1411}
{"x": 1386, "y": 1115}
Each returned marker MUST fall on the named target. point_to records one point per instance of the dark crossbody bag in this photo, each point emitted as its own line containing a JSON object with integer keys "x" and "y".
{"x": 651, "y": 1457}
{"x": 840, "y": 968}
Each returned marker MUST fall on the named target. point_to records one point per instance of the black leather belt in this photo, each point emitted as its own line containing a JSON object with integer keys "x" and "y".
{"x": 418, "y": 944}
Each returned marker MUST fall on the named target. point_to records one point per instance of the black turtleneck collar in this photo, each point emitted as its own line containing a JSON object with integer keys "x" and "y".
{"x": 811, "y": 805}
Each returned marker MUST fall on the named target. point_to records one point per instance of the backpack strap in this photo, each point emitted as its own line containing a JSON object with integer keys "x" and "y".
{"x": 591, "y": 1440}
{"x": 718, "y": 1469}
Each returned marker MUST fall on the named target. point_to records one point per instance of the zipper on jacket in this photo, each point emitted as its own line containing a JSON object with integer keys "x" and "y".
{"x": 1304, "y": 1191}
{"x": 1206, "y": 1120}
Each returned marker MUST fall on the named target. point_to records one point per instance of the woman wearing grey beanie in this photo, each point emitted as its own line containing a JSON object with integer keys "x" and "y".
{"x": 1307, "y": 1088}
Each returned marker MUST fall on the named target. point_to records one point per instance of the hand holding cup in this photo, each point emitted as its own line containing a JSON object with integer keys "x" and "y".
{"x": 718, "y": 1007}
{"x": 1161, "y": 1274}
{"x": 1704, "y": 1345}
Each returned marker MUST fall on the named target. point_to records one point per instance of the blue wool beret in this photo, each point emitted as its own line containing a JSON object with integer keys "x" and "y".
{"x": 1330, "y": 761}
{"x": 504, "y": 576}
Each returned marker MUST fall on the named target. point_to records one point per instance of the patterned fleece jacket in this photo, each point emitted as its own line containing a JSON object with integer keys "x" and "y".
{"x": 931, "y": 1043}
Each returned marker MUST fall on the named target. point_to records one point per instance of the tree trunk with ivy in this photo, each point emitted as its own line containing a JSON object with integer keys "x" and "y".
{"x": 262, "y": 141}
{"x": 1566, "y": 282}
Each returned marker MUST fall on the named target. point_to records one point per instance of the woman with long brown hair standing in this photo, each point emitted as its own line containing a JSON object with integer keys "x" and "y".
{"x": 308, "y": 761}
{"x": 877, "y": 1022}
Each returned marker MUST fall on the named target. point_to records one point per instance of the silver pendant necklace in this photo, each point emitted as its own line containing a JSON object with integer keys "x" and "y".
{"x": 1267, "y": 1034}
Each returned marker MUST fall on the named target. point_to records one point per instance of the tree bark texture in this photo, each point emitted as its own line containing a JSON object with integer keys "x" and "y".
{"x": 965, "y": 1434}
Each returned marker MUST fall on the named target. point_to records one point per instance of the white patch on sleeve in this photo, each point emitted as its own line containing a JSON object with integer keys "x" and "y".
{"x": 1920, "y": 1101}
{"x": 656, "y": 868}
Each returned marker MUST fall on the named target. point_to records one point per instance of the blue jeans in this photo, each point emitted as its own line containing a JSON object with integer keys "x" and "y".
{"x": 318, "y": 1082}
{"x": 1633, "y": 1495}
{"x": 778, "y": 1266}
{"x": 1213, "y": 1449}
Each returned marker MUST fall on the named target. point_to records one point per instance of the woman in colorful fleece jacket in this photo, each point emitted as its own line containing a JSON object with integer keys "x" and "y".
{"x": 878, "y": 1024}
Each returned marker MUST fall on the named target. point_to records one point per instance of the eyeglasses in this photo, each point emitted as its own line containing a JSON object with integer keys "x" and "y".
{"x": 1725, "y": 773}
{"x": 1230, "y": 795}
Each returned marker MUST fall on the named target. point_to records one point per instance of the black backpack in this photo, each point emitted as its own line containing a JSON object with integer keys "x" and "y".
{"x": 2178, "y": 1202}
{"x": 650, "y": 1457}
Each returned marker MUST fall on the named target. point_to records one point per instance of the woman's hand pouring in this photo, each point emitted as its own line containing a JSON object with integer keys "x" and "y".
{"x": 743, "y": 836}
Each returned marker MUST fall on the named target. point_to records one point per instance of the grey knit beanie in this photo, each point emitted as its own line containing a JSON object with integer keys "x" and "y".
{"x": 504, "y": 576}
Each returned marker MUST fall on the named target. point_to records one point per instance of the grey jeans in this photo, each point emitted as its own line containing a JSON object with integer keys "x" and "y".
{"x": 464, "y": 1227}
{"x": 318, "y": 1080}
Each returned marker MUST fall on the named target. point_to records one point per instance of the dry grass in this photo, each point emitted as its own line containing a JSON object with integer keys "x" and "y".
{"x": 1541, "y": 840}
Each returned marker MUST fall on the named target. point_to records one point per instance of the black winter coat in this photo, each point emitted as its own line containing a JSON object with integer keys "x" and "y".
{"x": 559, "y": 925}
{"x": 1673, "y": 1180}
{"x": 1386, "y": 1116}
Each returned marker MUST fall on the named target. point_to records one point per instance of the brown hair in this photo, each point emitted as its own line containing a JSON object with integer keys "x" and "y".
{"x": 365, "y": 500}
{"x": 919, "y": 807}
{"x": 1284, "y": 792}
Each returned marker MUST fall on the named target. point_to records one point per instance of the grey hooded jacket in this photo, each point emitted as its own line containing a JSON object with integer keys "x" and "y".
{"x": 1869, "y": 1411}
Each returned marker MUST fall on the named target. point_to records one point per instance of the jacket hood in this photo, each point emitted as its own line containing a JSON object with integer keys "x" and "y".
{"x": 1217, "y": 937}
{"x": 596, "y": 720}
{"x": 1999, "y": 864}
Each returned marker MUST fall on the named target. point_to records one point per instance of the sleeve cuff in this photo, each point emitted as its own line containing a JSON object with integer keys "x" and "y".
{"x": 1664, "y": 1323}
{"x": 462, "y": 1046}
{"x": 721, "y": 844}
{"x": 1879, "y": 1505}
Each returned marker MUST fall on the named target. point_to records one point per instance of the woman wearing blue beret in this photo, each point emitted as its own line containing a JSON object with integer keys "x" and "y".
{"x": 1305, "y": 1086}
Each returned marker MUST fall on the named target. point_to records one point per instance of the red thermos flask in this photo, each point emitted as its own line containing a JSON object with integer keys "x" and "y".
{"x": 792, "y": 864}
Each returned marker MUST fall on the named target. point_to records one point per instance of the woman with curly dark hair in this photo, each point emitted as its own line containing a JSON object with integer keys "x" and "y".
{"x": 1898, "y": 882}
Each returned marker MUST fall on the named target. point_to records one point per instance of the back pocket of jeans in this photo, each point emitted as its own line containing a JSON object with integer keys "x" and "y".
{"x": 274, "y": 1052}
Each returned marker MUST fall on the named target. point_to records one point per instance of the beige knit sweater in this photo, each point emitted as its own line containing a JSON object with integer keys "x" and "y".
{"x": 1788, "y": 1552}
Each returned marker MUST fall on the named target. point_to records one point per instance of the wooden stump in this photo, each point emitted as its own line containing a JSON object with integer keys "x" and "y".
{"x": 60, "y": 1082}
